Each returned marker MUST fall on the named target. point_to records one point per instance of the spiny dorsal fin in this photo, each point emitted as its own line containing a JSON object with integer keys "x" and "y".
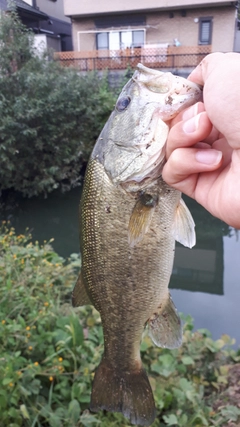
{"x": 165, "y": 328}
{"x": 141, "y": 218}
{"x": 183, "y": 228}
{"x": 79, "y": 294}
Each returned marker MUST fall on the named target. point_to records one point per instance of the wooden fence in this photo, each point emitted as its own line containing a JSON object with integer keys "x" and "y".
{"x": 170, "y": 57}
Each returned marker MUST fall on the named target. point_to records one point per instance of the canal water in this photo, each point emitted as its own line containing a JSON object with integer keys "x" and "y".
{"x": 205, "y": 281}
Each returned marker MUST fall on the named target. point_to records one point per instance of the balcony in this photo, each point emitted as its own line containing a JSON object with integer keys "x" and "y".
{"x": 171, "y": 57}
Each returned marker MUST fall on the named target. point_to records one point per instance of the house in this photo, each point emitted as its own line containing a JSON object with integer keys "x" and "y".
{"x": 57, "y": 23}
{"x": 47, "y": 20}
{"x": 184, "y": 25}
{"x": 110, "y": 24}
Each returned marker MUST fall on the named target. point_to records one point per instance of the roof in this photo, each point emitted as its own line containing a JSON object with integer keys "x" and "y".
{"x": 27, "y": 9}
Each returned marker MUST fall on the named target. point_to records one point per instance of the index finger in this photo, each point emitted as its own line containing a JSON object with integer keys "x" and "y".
{"x": 188, "y": 113}
{"x": 206, "y": 66}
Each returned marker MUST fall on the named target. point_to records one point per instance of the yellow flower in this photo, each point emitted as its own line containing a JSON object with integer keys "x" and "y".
{"x": 46, "y": 304}
{"x": 3, "y": 322}
{"x": 60, "y": 359}
{"x": 30, "y": 348}
{"x": 11, "y": 384}
{"x": 36, "y": 363}
{"x": 28, "y": 328}
{"x": 50, "y": 378}
{"x": 22, "y": 261}
{"x": 14, "y": 256}
{"x": 28, "y": 335}
{"x": 19, "y": 373}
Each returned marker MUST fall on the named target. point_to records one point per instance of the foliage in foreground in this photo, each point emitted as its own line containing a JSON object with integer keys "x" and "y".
{"x": 50, "y": 116}
{"x": 49, "y": 352}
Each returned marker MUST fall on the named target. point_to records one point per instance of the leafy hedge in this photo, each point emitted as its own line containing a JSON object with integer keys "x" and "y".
{"x": 50, "y": 116}
{"x": 49, "y": 352}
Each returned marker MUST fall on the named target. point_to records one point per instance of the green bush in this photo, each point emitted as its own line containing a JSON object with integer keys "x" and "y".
{"x": 50, "y": 116}
{"x": 49, "y": 351}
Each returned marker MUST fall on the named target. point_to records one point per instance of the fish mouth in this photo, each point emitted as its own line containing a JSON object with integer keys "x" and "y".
{"x": 176, "y": 92}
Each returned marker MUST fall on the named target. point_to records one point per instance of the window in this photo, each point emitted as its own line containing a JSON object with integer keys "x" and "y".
{"x": 102, "y": 41}
{"x": 115, "y": 40}
{"x": 137, "y": 38}
{"x": 205, "y": 31}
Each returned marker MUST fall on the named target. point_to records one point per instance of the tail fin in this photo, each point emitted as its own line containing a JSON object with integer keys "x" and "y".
{"x": 122, "y": 391}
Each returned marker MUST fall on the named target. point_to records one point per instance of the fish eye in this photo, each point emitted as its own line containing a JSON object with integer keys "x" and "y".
{"x": 123, "y": 103}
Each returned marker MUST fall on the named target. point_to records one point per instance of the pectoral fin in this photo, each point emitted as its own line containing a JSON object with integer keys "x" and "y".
{"x": 141, "y": 218}
{"x": 165, "y": 328}
{"x": 79, "y": 294}
{"x": 183, "y": 228}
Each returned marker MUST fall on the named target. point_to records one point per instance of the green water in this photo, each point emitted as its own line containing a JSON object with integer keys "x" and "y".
{"x": 205, "y": 281}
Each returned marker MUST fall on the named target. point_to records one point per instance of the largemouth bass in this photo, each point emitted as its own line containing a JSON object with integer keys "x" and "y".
{"x": 129, "y": 221}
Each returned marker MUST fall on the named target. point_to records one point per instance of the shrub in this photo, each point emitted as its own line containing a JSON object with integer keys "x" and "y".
{"x": 50, "y": 116}
{"x": 49, "y": 351}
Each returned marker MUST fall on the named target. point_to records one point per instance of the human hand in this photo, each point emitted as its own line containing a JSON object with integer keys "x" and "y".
{"x": 203, "y": 147}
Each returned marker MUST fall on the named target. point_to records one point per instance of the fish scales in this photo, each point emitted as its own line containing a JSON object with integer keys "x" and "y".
{"x": 116, "y": 269}
{"x": 129, "y": 221}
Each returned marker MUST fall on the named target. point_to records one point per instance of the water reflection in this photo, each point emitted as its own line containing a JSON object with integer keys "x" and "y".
{"x": 205, "y": 281}
{"x": 56, "y": 216}
{"x": 218, "y": 313}
{"x": 201, "y": 268}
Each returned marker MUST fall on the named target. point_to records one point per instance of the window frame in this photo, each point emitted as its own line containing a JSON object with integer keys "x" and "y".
{"x": 120, "y": 35}
{"x": 97, "y": 44}
{"x": 201, "y": 21}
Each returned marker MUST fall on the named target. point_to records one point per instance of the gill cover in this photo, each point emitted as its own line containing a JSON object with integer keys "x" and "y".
{"x": 131, "y": 146}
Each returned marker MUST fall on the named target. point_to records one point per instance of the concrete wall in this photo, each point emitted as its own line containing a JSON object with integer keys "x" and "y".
{"x": 86, "y": 7}
{"x": 43, "y": 42}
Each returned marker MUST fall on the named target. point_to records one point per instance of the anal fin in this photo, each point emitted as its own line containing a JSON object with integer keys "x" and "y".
{"x": 141, "y": 218}
{"x": 165, "y": 328}
{"x": 79, "y": 294}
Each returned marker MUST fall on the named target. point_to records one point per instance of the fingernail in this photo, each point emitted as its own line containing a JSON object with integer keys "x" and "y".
{"x": 191, "y": 125}
{"x": 208, "y": 157}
